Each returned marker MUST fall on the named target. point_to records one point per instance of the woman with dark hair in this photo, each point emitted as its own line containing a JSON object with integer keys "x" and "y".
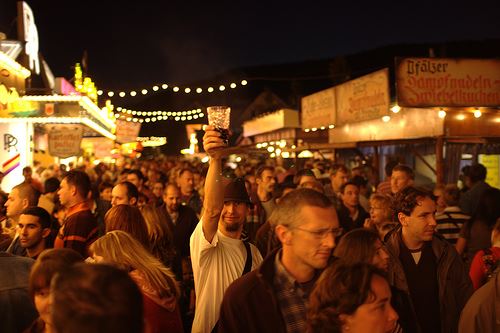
{"x": 129, "y": 219}
{"x": 351, "y": 298}
{"x": 49, "y": 263}
{"x": 476, "y": 233}
{"x": 362, "y": 246}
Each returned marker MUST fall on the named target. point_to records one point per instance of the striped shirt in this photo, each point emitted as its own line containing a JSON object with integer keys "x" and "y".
{"x": 292, "y": 297}
{"x": 450, "y": 222}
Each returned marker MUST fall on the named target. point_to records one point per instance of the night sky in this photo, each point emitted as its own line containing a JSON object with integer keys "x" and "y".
{"x": 133, "y": 44}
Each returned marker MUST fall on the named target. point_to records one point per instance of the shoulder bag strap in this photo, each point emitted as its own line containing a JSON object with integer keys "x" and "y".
{"x": 248, "y": 262}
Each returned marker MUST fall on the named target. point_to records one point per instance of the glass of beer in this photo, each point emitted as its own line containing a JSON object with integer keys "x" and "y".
{"x": 218, "y": 116}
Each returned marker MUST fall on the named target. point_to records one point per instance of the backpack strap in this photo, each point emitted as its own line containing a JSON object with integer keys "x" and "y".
{"x": 248, "y": 262}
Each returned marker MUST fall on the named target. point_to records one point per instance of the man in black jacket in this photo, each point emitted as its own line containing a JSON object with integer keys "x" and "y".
{"x": 425, "y": 267}
{"x": 274, "y": 297}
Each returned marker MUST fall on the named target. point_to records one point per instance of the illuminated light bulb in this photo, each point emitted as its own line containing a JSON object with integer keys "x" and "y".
{"x": 139, "y": 113}
{"x": 282, "y": 144}
{"x": 307, "y": 130}
{"x": 155, "y": 88}
{"x": 134, "y": 113}
{"x": 278, "y": 151}
{"x": 153, "y": 119}
{"x": 117, "y": 115}
{"x": 160, "y": 117}
{"x": 119, "y": 108}
{"x": 322, "y": 127}
{"x": 273, "y": 155}
{"x": 396, "y": 108}
{"x": 442, "y": 114}
{"x": 222, "y": 88}
{"x": 199, "y": 90}
{"x": 128, "y": 119}
{"x": 271, "y": 143}
{"x": 133, "y": 93}
{"x": 477, "y": 113}
{"x": 285, "y": 154}
{"x": 183, "y": 118}
{"x": 331, "y": 126}
{"x": 201, "y": 115}
{"x": 135, "y": 120}
{"x": 294, "y": 146}
{"x": 129, "y": 111}
{"x": 164, "y": 86}
{"x": 210, "y": 89}
{"x": 100, "y": 92}
{"x": 144, "y": 91}
{"x": 169, "y": 113}
{"x": 244, "y": 82}
{"x": 195, "y": 116}
{"x": 233, "y": 85}
{"x": 264, "y": 144}
{"x": 258, "y": 146}
{"x": 111, "y": 94}
{"x": 177, "y": 118}
{"x": 189, "y": 112}
{"x": 187, "y": 90}
{"x": 141, "y": 120}
{"x": 189, "y": 117}
{"x": 238, "y": 159}
{"x": 121, "y": 94}
{"x": 147, "y": 120}
{"x": 460, "y": 117}
{"x": 385, "y": 119}
{"x": 270, "y": 149}
{"x": 176, "y": 89}
{"x": 314, "y": 129}
{"x": 164, "y": 113}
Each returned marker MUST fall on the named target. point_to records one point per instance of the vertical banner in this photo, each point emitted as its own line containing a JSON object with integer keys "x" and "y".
{"x": 14, "y": 152}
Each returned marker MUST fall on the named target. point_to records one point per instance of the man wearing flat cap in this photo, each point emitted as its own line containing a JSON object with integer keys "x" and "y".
{"x": 218, "y": 255}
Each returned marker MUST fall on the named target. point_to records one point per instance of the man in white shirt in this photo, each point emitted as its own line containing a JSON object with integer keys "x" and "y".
{"x": 218, "y": 256}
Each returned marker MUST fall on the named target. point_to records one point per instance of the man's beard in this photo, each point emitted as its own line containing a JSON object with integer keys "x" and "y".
{"x": 232, "y": 227}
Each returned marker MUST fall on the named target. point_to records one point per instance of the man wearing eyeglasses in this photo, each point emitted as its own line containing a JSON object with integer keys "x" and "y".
{"x": 274, "y": 297}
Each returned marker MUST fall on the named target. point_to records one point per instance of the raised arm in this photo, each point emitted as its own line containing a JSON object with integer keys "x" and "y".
{"x": 214, "y": 189}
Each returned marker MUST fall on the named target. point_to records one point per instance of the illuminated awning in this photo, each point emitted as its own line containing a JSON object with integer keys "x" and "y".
{"x": 61, "y": 120}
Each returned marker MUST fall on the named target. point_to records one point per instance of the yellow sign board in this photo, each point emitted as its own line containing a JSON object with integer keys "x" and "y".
{"x": 492, "y": 165}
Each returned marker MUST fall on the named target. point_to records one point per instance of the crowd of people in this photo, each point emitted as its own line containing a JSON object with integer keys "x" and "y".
{"x": 171, "y": 245}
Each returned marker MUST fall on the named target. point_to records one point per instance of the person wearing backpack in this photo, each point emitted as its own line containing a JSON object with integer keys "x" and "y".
{"x": 486, "y": 261}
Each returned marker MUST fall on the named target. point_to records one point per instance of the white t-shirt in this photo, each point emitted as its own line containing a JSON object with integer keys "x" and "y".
{"x": 215, "y": 266}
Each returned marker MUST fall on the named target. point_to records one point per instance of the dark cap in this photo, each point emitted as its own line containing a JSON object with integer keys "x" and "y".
{"x": 236, "y": 191}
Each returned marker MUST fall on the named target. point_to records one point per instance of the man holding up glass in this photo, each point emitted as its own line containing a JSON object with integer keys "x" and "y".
{"x": 218, "y": 256}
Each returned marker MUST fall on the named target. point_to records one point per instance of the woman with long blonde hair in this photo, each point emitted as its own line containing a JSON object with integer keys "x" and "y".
{"x": 157, "y": 283}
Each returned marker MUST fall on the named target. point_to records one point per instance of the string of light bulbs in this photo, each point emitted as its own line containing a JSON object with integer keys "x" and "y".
{"x": 153, "y": 116}
{"x": 174, "y": 88}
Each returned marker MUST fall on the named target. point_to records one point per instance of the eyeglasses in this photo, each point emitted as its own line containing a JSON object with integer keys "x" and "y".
{"x": 321, "y": 234}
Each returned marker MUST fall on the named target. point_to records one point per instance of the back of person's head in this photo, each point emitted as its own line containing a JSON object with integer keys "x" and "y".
{"x": 340, "y": 291}
{"x": 287, "y": 213}
{"x": 360, "y": 181}
{"x": 408, "y": 198}
{"x": 357, "y": 246}
{"x": 129, "y": 219}
{"x": 51, "y": 185}
{"x": 156, "y": 223}
{"x": 405, "y": 169}
{"x": 451, "y": 195}
{"x": 303, "y": 173}
{"x": 132, "y": 190}
{"x": 42, "y": 214}
{"x": 80, "y": 180}
{"x": 96, "y": 298}
{"x": 389, "y": 166}
{"x": 121, "y": 249}
{"x": 49, "y": 263}
{"x": 488, "y": 208}
{"x": 477, "y": 172}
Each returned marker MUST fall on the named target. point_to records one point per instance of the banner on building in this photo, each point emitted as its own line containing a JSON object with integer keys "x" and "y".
{"x": 319, "y": 109}
{"x": 441, "y": 82}
{"x": 127, "y": 131}
{"x": 65, "y": 140}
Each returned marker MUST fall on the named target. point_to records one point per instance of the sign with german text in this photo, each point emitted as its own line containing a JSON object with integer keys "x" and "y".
{"x": 65, "y": 140}
{"x": 319, "y": 109}
{"x": 364, "y": 98}
{"x": 127, "y": 131}
{"x": 440, "y": 82}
